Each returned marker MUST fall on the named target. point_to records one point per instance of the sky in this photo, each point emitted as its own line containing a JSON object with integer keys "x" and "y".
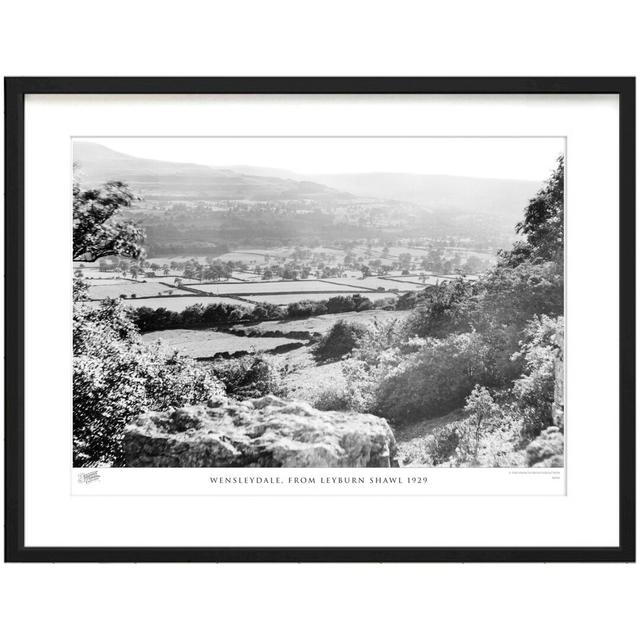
{"x": 512, "y": 158}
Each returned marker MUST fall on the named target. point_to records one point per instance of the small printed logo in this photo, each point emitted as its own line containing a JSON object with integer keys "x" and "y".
{"x": 90, "y": 476}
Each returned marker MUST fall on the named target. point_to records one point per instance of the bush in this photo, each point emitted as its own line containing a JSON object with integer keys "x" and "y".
{"x": 342, "y": 339}
{"x": 333, "y": 398}
{"x": 535, "y": 390}
{"x": 547, "y": 450}
{"x": 116, "y": 377}
{"x": 251, "y": 376}
{"x": 444, "y": 309}
{"x": 441, "y": 445}
{"x": 435, "y": 380}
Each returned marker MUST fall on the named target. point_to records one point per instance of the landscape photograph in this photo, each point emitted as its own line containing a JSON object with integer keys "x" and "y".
{"x": 318, "y": 302}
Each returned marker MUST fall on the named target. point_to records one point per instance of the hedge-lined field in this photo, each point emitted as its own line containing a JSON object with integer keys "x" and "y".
{"x": 127, "y": 288}
{"x": 271, "y": 286}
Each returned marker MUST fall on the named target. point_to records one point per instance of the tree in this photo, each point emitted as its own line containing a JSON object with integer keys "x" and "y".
{"x": 404, "y": 260}
{"x": 543, "y": 224}
{"x": 482, "y": 410}
{"x": 98, "y": 229}
{"x": 445, "y": 308}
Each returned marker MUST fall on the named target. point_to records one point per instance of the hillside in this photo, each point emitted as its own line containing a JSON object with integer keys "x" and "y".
{"x": 461, "y": 199}
{"x": 186, "y": 204}
{"x": 160, "y": 180}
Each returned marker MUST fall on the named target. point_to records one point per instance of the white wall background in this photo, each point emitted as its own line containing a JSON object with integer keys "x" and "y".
{"x": 323, "y": 38}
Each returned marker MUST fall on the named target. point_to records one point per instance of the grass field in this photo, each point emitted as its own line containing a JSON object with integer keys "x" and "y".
{"x": 127, "y": 288}
{"x": 170, "y": 279}
{"x": 415, "y": 280}
{"x": 321, "y": 324}
{"x": 205, "y": 343}
{"x": 96, "y": 274}
{"x": 181, "y": 303}
{"x": 283, "y": 286}
{"x": 99, "y": 282}
{"x": 374, "y": 283}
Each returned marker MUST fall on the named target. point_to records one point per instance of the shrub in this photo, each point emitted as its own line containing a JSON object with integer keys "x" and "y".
{"x": 332, "y": 398}
{"x": 116, "y": 377}
{"x": 441, "y": 445}
{"x": 341, "y": 339}
{"x": 251, "y": 376}
{"x": 435, "y": 380}
{"x": 482, "y": 412}
{"x": 535, "y": 390}
{"x": 547, "y": 450}
{"x": 341, "y": 304}
{"x": 443, "y": 309}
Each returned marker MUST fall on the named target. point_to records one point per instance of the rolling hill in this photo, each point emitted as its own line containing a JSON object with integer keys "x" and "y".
{"x": 160, "y": 180}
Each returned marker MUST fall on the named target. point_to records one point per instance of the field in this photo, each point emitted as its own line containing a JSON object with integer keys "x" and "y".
{"x": 127, "y": 288}
{"x": 96, "y": 274}
{"x": 374, "y": 283}
{"x": 322, "y": 324}
{"x": 401, "y": 281}
{"x": 179, "y": 303}
{"x": 99, "y": 282}
{"x": 280, "y": 286}
{"x": 170, "y": 279}
{"x": 206, "y": 343}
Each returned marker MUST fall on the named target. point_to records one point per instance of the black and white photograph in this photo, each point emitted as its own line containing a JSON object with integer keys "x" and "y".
{"x": 318, "y": 302}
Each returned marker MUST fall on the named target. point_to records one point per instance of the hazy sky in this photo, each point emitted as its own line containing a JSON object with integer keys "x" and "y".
{"x": 520, "y": 158}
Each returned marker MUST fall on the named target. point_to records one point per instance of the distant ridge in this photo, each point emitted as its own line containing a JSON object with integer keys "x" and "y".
{"x": 186, "y": 181}
{"x": 481, "y": 195}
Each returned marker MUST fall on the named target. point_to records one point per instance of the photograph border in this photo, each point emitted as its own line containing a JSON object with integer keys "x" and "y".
{"x": 15, "y": 91}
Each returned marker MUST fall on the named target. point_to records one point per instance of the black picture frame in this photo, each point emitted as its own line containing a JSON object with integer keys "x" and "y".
{"x": 15, "y": 91}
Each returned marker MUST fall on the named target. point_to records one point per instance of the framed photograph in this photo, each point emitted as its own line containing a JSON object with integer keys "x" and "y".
{"x": 320, "y": 319}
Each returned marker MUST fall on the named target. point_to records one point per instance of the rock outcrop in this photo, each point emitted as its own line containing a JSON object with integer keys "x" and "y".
{"x": 557, "y": 409}
{"x": 266, "y": 432}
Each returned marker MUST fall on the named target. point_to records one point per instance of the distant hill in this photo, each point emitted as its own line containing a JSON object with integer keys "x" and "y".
{"x": 160, "y": 180}
{"x": 480, "y": 208}
{"x": 487, "y": 197}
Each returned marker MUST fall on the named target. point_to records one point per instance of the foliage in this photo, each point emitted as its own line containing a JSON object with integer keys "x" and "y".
{"x": 98, "y": 229}
{"x": 340, "y": 340}
{"x": 251, "y": 376}
{"x": 535, "y": 389}
{"x": 116, "y": 377}
{"x": 436, "y": 379}
{"x": 441, "y": 445}
{"x": 547, "y": 450}
{"x": 443, "y": 309}
{"x": 512, "y": 295}
{"x": 482, "y": 412}
{"x": 148, "y": 319}
{"x": 543, "y": 223}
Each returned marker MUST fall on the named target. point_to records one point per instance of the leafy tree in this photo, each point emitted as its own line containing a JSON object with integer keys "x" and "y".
{"x": 543, "y": 224}
{"x": 482, "y": 410}
{"x": 443, "y": 309}
{"x": 98, "y": 229}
